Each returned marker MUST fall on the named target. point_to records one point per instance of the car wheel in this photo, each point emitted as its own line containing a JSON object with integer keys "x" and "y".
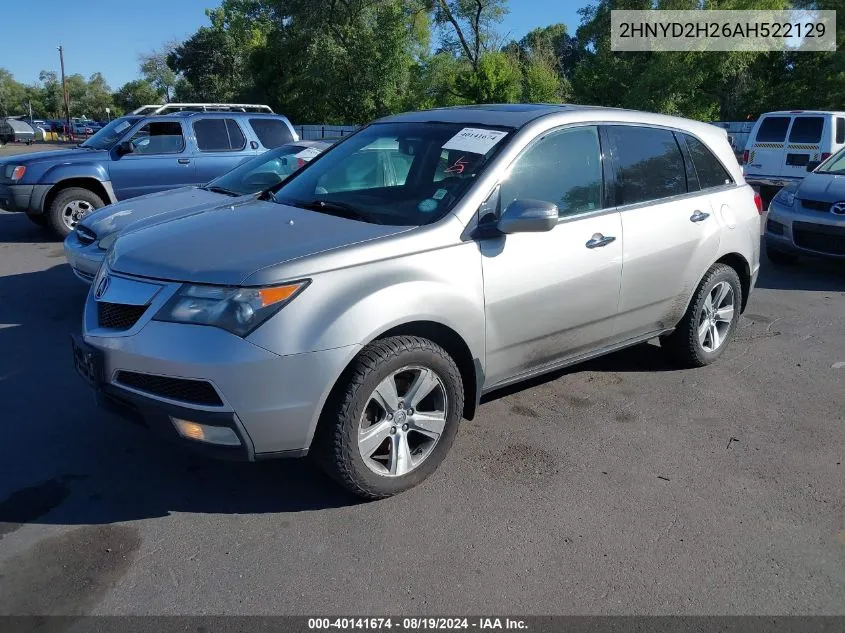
{"x": 780, "y": 258}
{"x": 38, "y": 219}
{"x": 393, "y": 417}
{"x": 710, "y": 320}
{"x": 69, "y": 207}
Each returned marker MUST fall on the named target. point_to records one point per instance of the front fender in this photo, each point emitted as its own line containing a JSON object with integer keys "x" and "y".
{"x": 66, "y": 171}
{"x": 353, "y": 306}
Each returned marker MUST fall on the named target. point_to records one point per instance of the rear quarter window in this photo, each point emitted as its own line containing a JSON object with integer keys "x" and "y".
{"x": 806, "y": 129}
{"x": 840, "y": 130}
{"x": 271, "y": 132}
{"x": 708, "y": 168}
{"x": 773, "y": 129}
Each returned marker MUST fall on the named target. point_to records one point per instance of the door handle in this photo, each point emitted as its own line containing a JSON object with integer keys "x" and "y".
{"x": 698, "y": 216}
{"x": 184, "y": 161}
{"x": 598, "y": 240}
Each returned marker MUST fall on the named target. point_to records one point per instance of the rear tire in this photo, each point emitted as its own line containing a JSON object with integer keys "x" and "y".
{"x": 710, "y": 320}
{"x": 376, "y": 436}
{"x": 780, "y": 258}
{"x": 69, "y": 207}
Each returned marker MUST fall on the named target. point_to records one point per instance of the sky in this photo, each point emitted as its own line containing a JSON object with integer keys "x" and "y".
{"x": 107, "y": 36}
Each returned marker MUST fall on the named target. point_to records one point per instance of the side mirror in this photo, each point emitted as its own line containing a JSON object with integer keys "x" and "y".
{"x": 811, "y": 166}
{"x": 124, "y": 148}
{"x": 528, "y": 216}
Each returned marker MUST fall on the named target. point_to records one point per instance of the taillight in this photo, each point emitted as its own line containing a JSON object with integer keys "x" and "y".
{"x": 745, "y": 157}
{"x": 758, "y": 200}
{"x": 825, "y": 156}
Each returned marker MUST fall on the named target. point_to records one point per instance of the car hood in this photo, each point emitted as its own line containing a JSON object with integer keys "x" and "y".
{"x": 227, "y": 244}
{"x": 822, "y": 186}
{"x": 160, "y": 206}
{"x": 59, "y": 156}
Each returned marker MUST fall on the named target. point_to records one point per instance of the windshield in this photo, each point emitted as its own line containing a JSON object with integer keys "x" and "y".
{"x": 833, "y": 165}
{"x": 267, "y": 169}
{"x": 111, "y": 133}
{"x": 405, "y": 174}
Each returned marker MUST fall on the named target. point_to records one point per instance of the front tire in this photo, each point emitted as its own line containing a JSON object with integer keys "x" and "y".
{"x": 392, "y": 420}
{"x": 710, "y": 320}
{"x": 69, "y": 207}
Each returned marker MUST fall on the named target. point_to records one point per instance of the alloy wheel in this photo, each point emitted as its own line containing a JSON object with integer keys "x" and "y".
{"x": 716, "y": 317}
{"x": 74, "y": 211}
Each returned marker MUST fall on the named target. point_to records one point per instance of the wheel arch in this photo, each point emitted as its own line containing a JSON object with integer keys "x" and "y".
{"x": 743, "y": 271}
{"x": 85, "y": 182}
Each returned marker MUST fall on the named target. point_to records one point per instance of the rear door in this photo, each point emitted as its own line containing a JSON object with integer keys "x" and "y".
{"x": 221, "y": 146}
{"x": 804, "y": 143}
{"x": 670, "y": 231}
{"x": 160, "y": 160}
{"x": 766, "y": 153}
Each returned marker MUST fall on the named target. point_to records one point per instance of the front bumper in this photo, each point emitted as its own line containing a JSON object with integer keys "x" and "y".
{"x": 15, "y": 197}
{"x": 805, "y": 232}
{"x": 272, "y": 402}
{"x": 84, "y": 259}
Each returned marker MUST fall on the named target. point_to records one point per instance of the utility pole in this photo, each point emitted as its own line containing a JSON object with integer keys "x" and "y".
{"x": 64, "y": 90}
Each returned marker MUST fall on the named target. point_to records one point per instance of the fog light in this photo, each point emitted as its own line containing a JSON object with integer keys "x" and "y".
{"x": 205, "y": 433}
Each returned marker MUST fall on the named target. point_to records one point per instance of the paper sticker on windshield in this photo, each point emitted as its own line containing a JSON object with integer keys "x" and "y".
{"x": 475, "y": 140}
{"x": 308, "y": 153}
{"x": 440, "y": 194}
{"x": 427, "y": 206}
{"x": 123, "y": 126}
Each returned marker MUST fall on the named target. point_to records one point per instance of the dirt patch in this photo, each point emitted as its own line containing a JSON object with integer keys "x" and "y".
{"x": 528, "y": 412}
{"x": 520, "y": 464}
{"x": 69, "y": 573}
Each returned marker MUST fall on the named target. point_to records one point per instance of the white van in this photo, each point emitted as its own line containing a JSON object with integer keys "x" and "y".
{"x": 783, "y": 145}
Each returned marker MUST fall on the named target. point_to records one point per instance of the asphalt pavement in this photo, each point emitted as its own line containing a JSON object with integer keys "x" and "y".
{"x": 620, "y": 486}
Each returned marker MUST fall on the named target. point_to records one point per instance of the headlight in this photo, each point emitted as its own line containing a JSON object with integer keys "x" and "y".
{"x": 15, "y": 172}
{"x": 237, "y": 310}
{"x": 785, "y": 196}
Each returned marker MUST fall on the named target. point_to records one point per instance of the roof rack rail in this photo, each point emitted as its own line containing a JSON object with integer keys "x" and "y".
{"x": 168, "y": 108}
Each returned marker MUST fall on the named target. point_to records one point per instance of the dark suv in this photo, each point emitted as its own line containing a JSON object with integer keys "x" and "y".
{"x": 132, "y": 156}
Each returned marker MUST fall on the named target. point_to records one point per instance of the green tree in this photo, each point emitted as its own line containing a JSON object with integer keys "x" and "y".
{"x": 12, "y": 94}
{"x": 134, "y": 94}
{"x": 155, "y": 69}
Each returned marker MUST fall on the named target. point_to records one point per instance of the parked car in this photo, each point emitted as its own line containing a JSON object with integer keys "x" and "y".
{"x": 82, "y": 129}
{"x": 359, "y": 320}
{"x": 132, "y": 156}
{"x": 15, "y": 131}
{"x": 86, "y": 247}
{"x": 808, "y": 217}
{"x": 783, "y": 144}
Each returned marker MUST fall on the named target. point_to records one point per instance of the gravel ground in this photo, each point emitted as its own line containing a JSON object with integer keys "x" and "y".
{"x": 621, "y": 486}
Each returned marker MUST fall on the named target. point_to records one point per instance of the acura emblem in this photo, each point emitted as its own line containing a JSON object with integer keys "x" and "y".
{"x": 101, "y": 287}
{"x": 838, "y": 208}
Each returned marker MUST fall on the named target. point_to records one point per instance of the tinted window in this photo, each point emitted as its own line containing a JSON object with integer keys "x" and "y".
{"x": 563, "y": 168}
{"x": 649, "y": 165}
{"x": 707, "y": 167}
{"x": 159, "y": 137}
{"x": 773, "y": 129}
{"x": 271, "y": 132}
{"x": 806, "y": 129}
{"x": 840, "y": 130}
{"x": 218, "y": 135}
{"x": 266, "y": 170}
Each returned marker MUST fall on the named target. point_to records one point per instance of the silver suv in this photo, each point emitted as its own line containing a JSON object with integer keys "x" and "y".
{"x": 361, "y": 309}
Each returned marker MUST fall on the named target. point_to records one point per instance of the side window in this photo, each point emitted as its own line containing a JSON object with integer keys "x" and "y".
{"x": 649, "y": 165}
{"x": 840, "y": 130}
{"x": 271, "y": 132}
{"x": 218, "y": 135}
{"x": 707, "y": 167}
{"x": 772, "y": 129}
{"x": 563, "y": 167}
{"x": 158, "y": 137}
{"x": 806, "y": 129}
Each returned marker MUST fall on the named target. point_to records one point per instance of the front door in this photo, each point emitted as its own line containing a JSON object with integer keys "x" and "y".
{"x": 553, "y": 295}
{"x": 160, "y": 160}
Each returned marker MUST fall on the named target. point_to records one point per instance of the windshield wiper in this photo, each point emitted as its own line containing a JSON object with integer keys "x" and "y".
{"x": 223, "y": 190}
{"x": 330, "y": 207}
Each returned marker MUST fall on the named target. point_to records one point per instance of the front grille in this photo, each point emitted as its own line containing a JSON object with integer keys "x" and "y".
{"x": 775, "y": 228}
{"x": 816, "y": 205}
{"x": 181, "y": 389}
{"x": 85, "y": 236}
{"x": 815, "y": 237}
{"x": 118, "y": 316}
